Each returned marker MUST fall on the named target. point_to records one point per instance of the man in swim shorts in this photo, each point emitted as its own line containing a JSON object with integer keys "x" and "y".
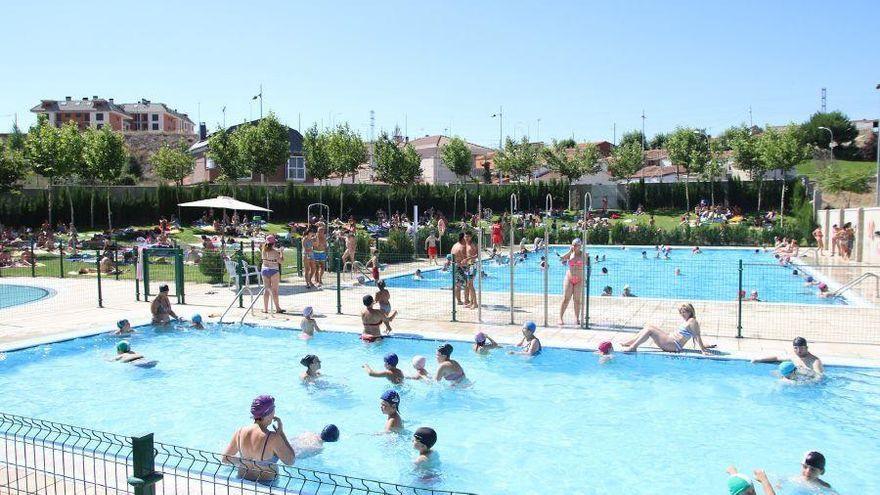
{"x": 431, "y": 248}
{"x": 807, "y": 364}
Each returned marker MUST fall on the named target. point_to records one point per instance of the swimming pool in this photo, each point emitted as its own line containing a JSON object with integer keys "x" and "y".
{"x": 713, "y": 275}
{"x": 556, "y": 424}
{"x": 13, "y": 295}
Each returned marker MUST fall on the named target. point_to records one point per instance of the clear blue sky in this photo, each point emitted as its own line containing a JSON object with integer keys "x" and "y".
{"x": 578, "y": 66}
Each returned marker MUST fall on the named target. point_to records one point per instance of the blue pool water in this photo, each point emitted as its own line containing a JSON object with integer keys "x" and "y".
{"x": 713, "y": 275}
{"x": 13, "y": 295}
{"x": 559, "y": 423}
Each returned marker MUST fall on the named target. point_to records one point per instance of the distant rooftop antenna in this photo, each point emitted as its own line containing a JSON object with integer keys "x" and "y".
{"x": 824, "y": 99}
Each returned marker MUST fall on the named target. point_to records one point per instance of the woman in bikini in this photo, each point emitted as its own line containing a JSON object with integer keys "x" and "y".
{"x": 307, "y": 248}
{"x": 574, "y": 281}
{"x": 271, "y": 258}
{"x": 255, "y": 450}
{"x": 449, "y": 368}
{"x": 372, "y": 320}
{"x": 675, "y": 340}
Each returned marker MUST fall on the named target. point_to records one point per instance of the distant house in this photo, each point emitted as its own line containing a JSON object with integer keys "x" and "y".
{"x": 660, "y": 169}
{"x": 96, "y": 113}
{"x": 543, "y": 174}
{"x": 205, "y": 169}
{"x": 434, "y": 171}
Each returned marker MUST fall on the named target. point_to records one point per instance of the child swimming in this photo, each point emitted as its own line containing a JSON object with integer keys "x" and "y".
{"x": 418, "y": 363}
{"x": 310, "y": 443}
{"x": 605, "y": 352}
{"x": 308, "y": 325}
{"x": 313, "y": 365}
{"x": 389, "y": 405}
{"x": 423, "y": 440}
{"x": 391, "y": 372}
{"x": 123, "y": 327}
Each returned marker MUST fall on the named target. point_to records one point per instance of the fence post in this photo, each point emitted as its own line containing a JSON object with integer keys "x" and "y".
{"x": 33, "y": 259}
{"x": 587, "y": 294}
{"x": 116, "y": 259}
{"x": 739, "y": 302}
{"x": 61, "y": 258}
{"x": 146, "y": 265}
{"x": 98, "y": 265}
{"x": 452, "y": 272}
{"x": 338, "y": 283}
{"x": 179, "y": 278}
{"x": 239, "y": 270}
{"x": 137, "y": 286}
{"x": 144, "y": 475}
{"x": 299, "y": 257}
{"x": 252, "y": 252}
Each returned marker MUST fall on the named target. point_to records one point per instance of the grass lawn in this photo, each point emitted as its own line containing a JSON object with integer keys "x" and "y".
{"x": 811, "y": 168}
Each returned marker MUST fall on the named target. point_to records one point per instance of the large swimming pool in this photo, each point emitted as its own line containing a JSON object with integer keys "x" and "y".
{"x": 13, "y": 295}
{"x": 712, "y": 275}
{"x": 559, "y": 423}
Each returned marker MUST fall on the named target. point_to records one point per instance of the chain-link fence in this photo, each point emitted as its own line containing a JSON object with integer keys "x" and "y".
{"x": 48, "y": 458}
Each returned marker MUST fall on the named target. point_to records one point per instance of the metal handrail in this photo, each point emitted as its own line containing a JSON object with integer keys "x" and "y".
{"x": 253, "y": 301}
{"x": 231, "y": 303}
{"x": 859, "y": 280}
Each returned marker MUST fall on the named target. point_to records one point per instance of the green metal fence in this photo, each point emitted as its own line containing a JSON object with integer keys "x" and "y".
{"x": 45, "y": 457}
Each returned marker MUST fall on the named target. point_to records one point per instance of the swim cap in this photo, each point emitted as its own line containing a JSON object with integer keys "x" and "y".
{"x": 530, "y": 326}
{"x": 786, "y": 368}
{"x": 308, "y": 311}
{"x": 576, "y": 242}
{"x": 823, "y": 286}
{"x": 391, "y": 397}
{"x": 418, "y": 362}
{"x": 368, "y": 300}
{"x": 330, "y": 433}
{"x": 738, "y": 484}
{"x": 380, "y": 284}
{"x": 270, "y": 239}
{"x": 391, "y": 359}
{"x": 606, "y": 347}
{"x": 262, "y": 406}
{"x": 607, "y": 288}
{"x": 810, "y": 278}
{"x": 197, "y": 318}
{"x": 445, "y": 349}
{"x": 799, "y": 342}
{"x": 449, "y": 257}
{"x": 815, "y": 460}
{"x": 426, "y": 436}
{"x": 121, "y": 323}
{"x": 480, "y": 338}
{"x": 307, "y": 360}
{"x": 794, "y": 272}
{"x": 163, "y": 288}
{"x": 123, "y": 347}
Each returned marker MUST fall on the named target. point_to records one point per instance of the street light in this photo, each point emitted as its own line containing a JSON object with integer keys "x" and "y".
{"x": 830, "y": 143}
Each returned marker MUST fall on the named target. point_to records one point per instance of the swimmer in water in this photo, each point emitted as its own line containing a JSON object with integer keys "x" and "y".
{"x": 807, "y": 364}
{"x": 605, "y": 352}
{"x": 197, "y": 322}
{"x": 823, "y": 291}
{"x": 810, "y": 281}
{"x": 607, "y": 291}
{"x": 529, "y": 345}
{"x": 740, "y": 484}
{"x": 644, "y": 255}
{"x": 627, "y": 292}
{"x": 313, "y": 365}
{"x": 484, "y": 343}
{"x": 677, "y": 272}
{"x": 696, "y": 250}
{"x": 125, "y": 354}
{"x": 423, "y": 440}
{"x": 123, "y": 327}
{"x": 310, "y": 443}
{"x": 308, "y": 325}
{"x": 753, "y": 296}
{"x": 390, "y": 406}
{"x": 812, "y": 467}
{"x": 604, "y": 270}
{"x": 391, "y": 372}
{"x": 787, "y": 371}
{"x": 448, "y": 368}
{"x": 417, "y": 275}
{"x": 418, "y": 363}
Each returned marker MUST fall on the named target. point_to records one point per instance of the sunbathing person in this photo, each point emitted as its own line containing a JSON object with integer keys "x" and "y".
{"x": 675, "y": 340}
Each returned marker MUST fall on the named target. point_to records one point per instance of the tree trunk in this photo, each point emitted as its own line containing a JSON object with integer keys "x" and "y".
{"x": 49, "y": 189}
{"x": 712, "y": 189}
{"x": 70, "y": 200}
{"x": 177, "y": 194}
{"x": 687, "y": 196}
{"x": 109, "y": 215}
{"x": 92, "y": 209}
{"x": 760, "y": 185}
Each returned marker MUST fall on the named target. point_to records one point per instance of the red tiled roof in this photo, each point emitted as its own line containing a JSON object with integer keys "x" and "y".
{"x": 658, "y": 171}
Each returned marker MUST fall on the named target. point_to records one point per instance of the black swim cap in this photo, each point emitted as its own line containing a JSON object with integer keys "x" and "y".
{"x": 799, "y": 342}
{"x": 330, "y": 433}
{"x": 308, "y": 360}
{"x": 815, "y": 460}
{"x": 428, "y": 437}
{"x": 163, "y": 288}
{"x": 445, "y": 349}
{"x": 368, "y": 300}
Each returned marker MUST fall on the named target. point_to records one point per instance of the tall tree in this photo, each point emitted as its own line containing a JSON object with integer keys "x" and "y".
{"x": 400, "y": 168}
{"x": 634, "y": 136}
{"x": 688, "y": 149}
{"x": 843, "y": 129}
{"x": 16, "y": 138}
{"x": 457, "y": 157}
{"x": 747, "y": 156}
{"x": 13, "y": 167}
{"x": 658, "y": 141}
{"x": 572, "y": 162}
{"x": 782, "y": 150}
{"x": 626, "y": 161}
{"x": 263, "y": 147}
{"x": 347, "y": 151}
{"x": 173, "y": 164}
{"x": 316, "y": 154}
{"x": 43, "y": 151}
{"x": 714, "y": 167}
{"x": 518, "y": 159}
{"x": 224, "y": 153}
{"x": 72, "y": 148}
{"x": 106, "y": 159}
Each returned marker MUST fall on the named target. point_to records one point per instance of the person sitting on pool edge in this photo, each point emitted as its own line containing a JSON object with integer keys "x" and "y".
{"x": 484, "y": 343}
{"x": 740, "y": 484}
{"x": 529, "y": 345}
{"x": 390, "y": 406}
{"x": 423, "y": 440}
{"x": 310, "y": 443}
{"x": 449, "y": 368}
{"x": 675, "y": 340}
{"x": 160, "y": 308}
{"x": 391, "y": 372}
{"x": 313, "y": 365}
{"x": 372, "y": 319}
{"x": 123, "y": 327}
{"x": 807, "y": 364}
{"x": 250, "y": 446}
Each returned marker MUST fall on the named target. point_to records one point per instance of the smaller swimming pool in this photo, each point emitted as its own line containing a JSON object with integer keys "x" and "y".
{"x": 14, "y": 295}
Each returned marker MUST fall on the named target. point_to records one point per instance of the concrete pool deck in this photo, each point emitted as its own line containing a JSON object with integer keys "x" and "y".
{"x": 73, "y": 312}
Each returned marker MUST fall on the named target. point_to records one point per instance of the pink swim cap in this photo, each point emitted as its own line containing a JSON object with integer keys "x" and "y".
{"x": 480, "y": 337}
{"x": 262, "y": 406}
{"x": 606, "y": 347}
{"x": 418, "y": 362}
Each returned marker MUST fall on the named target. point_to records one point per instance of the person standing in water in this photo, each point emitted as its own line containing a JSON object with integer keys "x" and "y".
{"x": 448, "y": 368}
{"x": 313, "y": 367}
{"x": 484, "y": 343}
{"x": 423, "y": 440}
{"x": 574, "y": 281}
{"x": 372, "y": 319}
{"x": 255, "y": 450}
{"x": 807, "y": 363}
{"x": 310, "y": 443}
{"x": 390, "y": 406}
{"x": 161, "y": 307}
{"x": 391, "y": 372}
{"x": 529, "y": 345}
{"x": 308, "y": 325}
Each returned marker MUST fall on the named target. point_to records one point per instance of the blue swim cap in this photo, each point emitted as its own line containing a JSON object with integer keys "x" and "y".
{"x": 810, "y": 278}
{"x": 330, "y": 433}
{"x": 391, "y": 359}
{"x": 786, "y": 368}
{"x": 197, "y": 318}
{"x": 391, "y": 397}
{"x": 530, "y": 326}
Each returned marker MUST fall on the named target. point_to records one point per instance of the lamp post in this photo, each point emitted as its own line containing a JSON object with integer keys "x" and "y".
{"x": 500, "y": 116}
{"x": 830, "y": 143}
{"x": 260, "y": 96}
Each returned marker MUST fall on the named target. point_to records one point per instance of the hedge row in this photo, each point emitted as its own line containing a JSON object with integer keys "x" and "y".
{"x": 732, "y": 192}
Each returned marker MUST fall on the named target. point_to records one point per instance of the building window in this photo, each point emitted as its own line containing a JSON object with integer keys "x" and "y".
{"x": 209, "y": 164}
{"x": 155, "y": 117}
{"x": 155, "y": 127}
{"x": 99, "y": 117}
{"x": 296, "y": 168}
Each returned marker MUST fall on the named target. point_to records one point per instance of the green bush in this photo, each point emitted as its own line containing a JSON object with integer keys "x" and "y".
{"x": 212, "y": 267}
{"x": 397, "y": 247}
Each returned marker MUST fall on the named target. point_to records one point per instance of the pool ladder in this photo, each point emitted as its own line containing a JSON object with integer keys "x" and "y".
{"x": 859, "y": 280}
{"x": 240, "y": 293}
